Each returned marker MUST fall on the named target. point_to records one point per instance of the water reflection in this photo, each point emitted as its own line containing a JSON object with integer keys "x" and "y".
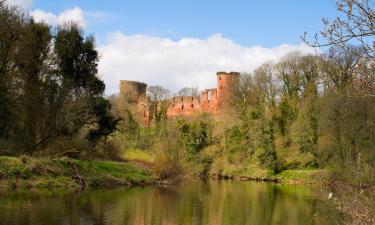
{"x": 193, "y": 203}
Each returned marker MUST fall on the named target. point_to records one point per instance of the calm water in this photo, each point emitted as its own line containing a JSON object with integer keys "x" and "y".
{"x": 211, "y": 203}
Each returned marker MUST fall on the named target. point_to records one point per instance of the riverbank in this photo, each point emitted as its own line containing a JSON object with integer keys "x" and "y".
{"x": 29, "y": 172}
{"x": 287, "y": 176}
{"x": 255, "y": 173}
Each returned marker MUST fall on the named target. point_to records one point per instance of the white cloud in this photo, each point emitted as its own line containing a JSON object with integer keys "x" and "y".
{"x": 176, "y": 64}
{"x": 42, "y": 16}
{"x": 22, "y": 3}
{"x": 75, "y": 14}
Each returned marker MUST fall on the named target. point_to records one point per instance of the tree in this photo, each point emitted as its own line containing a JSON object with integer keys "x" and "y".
{"x": 265, "y": 90}
{"x": 255, "y": 106}
{"x": 244, "y": 97}
{"x": 77, "y": 61}
{"x": 193, "y": 136}
{"x": 30, "y": 58}
{"x": 188, "y": 91}
{"x": 160, "y": 102}
{"x": 80, "y": 101}
{"x": 49, "y": 87}
{"x": 339, "y": 65}
{"x": 356, "y": 24}
{"x": 105, "y": 123}
{"x": 307, "y": 120}
{"x": 11, "y": 22}
{"x": 288, "y": 73}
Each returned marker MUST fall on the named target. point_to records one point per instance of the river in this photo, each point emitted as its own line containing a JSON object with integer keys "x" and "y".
{"x": 191, "y": 203}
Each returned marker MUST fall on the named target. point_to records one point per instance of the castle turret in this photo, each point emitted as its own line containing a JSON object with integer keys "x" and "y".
{"x": 132, "y": 98}
{"x": 132, "y": 91}
{"x": 226, "y": 84}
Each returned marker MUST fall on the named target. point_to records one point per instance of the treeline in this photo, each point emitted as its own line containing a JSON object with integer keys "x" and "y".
{"x": 303, "y": 112}
{"x": 49, "y": 89}
{"x": 313, "y": 104}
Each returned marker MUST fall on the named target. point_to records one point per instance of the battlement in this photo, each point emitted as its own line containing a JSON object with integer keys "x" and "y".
{"x": 228, "y": 73}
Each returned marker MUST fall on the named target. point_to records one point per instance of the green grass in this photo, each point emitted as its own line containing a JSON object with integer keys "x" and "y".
{"x": 251, "y": 170}
{"x": 304, "y": 176}
{"x": 287, "y": 176}
{"x": 138, "y": 155}
{"x": 42, "y": 172}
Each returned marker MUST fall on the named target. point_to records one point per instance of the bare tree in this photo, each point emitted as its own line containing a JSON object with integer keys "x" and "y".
{"x": 338, "y": 66}
{"x": 356, "y": 25}
{"x": 188, "y": 91}
{"x": 160, "y": 102}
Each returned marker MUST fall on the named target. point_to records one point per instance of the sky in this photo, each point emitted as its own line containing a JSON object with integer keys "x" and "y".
{"x": 184, "y": 43}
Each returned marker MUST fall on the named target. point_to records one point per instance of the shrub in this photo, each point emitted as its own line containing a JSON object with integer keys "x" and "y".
{"x": 193, "y": 136}
{"x": 166, "y": 167}
{"x": 109, "y": 150}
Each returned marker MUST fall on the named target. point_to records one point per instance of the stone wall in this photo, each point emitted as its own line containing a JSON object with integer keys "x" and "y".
{"x": 213, "y": 101}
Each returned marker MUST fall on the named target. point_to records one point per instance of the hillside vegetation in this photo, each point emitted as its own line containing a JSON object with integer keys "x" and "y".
{"x": 26, "y": 172}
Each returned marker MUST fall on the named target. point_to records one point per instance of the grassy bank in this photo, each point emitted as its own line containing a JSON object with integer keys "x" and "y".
{"x": 42, "y": 172}
{"x": 246, "y": 170}
{"x": 26, "y": 172}
{"x": 313, "y": 176}
{"x": 295, "y": 176}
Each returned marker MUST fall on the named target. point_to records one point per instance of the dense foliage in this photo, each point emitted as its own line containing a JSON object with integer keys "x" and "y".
{"x": 49, "y": 89}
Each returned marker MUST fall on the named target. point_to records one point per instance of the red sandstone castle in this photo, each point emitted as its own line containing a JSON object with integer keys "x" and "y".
{"x": 213, "y": 101}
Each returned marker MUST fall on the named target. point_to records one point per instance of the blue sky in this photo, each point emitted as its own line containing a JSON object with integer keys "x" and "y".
{"x": 267, "y": 23}
{"x": 184, "y": 43}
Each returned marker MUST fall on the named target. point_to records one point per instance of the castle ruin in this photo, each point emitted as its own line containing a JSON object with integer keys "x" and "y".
{"x": 214, "y": 101}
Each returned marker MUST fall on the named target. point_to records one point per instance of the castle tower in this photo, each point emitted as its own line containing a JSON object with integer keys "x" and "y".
{"x": 132, "y": 91}
{"x": 132, "y": 98}
{"x": 226, "y": 84}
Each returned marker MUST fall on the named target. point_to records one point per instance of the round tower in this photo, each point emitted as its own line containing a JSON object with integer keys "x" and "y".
{"x": 132, "y": 91}
{"x": 226, "y": 84}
